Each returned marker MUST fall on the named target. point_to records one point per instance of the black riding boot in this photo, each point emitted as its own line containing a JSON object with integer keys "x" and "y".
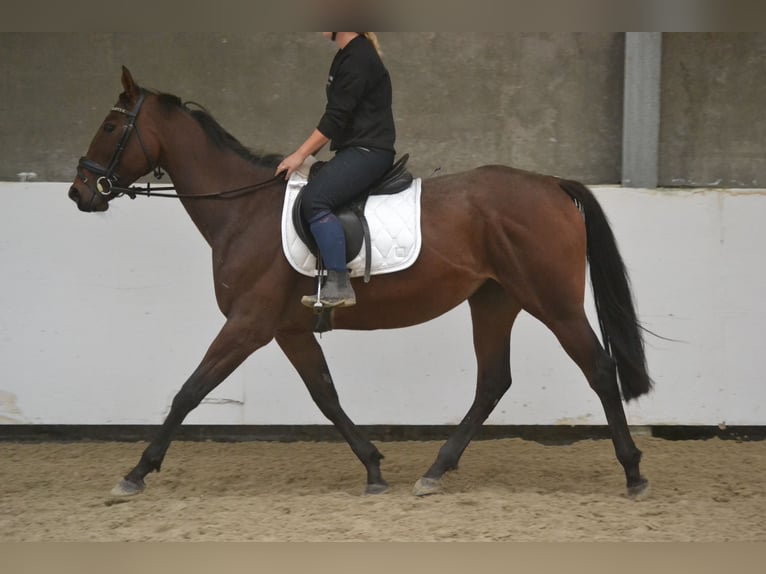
{"x": 336, "y": 291}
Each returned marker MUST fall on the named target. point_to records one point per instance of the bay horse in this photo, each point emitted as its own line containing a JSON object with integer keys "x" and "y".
{"x": 503, "y": 239}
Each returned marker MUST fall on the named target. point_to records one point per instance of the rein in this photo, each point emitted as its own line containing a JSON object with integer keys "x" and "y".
{"x": 148, "y": 191}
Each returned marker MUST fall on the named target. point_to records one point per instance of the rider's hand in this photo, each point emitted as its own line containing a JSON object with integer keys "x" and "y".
{"x": 290, "y": 164}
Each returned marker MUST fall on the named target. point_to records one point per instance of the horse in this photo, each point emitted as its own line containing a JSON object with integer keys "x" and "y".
{"x": 503, "y": 239}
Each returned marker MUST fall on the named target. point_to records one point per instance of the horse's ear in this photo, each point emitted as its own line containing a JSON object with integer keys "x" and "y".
{"x": 128, "y": 84}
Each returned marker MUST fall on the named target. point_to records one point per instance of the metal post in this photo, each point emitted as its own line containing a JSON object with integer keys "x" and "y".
{"x": 641, "y": 109}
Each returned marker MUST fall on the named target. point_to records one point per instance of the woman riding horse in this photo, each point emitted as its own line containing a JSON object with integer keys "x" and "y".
{"x": 359, "y": 124}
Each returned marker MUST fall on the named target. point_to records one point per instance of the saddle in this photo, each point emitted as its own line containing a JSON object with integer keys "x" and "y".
{"x": 351, "y": 215}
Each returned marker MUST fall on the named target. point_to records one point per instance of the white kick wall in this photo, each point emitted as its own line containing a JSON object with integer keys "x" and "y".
{"x": 102, "y": 318}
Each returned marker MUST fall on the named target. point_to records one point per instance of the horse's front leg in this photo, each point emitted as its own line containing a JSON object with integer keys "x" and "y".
{"x": 305, "y": 354}
{"x": 231, "y": 347}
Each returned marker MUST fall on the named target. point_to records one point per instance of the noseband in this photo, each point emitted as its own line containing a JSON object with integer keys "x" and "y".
{"x": 107, "y": 177}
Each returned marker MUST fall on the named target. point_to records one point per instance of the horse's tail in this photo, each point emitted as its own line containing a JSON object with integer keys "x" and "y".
{"x": 620, "y": 330}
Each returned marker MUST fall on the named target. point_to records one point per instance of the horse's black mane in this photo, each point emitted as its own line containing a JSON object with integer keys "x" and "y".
{"x": 217, "y": 134}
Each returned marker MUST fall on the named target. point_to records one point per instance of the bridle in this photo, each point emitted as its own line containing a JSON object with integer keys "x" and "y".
{"x": 107, "y": 177}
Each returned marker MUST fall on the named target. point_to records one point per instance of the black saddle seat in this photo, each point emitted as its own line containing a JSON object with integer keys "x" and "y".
{"x": 351, "y": 215}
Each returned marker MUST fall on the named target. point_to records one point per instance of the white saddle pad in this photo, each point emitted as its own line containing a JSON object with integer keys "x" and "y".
{"x": 394, "y": 222}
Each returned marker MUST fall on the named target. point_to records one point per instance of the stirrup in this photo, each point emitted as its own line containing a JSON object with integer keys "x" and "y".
{"x": 341, "y": 297}
{"x": 312, "y": 302}
{"x": 315, "y": 302}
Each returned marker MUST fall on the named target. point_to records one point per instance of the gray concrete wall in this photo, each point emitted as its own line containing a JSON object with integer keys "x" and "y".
{"x": 713, "y": 126}
{"x": 549, "y": 102}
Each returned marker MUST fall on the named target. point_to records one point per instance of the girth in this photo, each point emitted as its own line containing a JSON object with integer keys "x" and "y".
{"x": 351, "y": 216}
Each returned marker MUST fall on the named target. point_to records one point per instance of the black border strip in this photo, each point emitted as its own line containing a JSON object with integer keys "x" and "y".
{"x": 546, "y": 434}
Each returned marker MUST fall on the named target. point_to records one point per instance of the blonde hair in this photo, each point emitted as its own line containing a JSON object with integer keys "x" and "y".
{"x": 373, "y": 38}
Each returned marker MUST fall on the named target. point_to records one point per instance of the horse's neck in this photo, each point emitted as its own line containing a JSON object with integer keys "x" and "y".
{"x": 218, "y": 171}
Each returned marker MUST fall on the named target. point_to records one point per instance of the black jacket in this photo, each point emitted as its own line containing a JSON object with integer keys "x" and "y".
{"x": 358, "y": 111}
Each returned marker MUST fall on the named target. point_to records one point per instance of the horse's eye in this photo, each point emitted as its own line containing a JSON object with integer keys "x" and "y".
{"x": 109, "y": 128}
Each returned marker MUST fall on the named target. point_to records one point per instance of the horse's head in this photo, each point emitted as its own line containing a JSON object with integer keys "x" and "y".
{"x": 116, "y": 157}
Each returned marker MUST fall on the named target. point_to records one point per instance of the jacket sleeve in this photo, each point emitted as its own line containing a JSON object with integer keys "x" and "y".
{"x": 346, "y": 90}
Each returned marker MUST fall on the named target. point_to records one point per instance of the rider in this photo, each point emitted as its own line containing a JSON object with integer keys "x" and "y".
{"x": 359, "y": 124}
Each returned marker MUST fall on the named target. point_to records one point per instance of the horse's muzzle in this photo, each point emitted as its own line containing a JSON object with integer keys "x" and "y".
{"x": 93, "y": 204}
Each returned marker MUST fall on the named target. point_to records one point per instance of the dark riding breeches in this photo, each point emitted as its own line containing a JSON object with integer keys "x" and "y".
{"x": 342, "y": 178}
{"x": 345, "y": 176}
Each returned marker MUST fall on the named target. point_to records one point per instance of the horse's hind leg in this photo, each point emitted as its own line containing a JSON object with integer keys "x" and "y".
{"x": 581, "y": 344}
{"x": 232, "y": 346}
{"x": 303, "y": 351}
{"x": 492, "y": 314}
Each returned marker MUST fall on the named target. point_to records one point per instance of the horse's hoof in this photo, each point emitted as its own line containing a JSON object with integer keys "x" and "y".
{"x": 426, "y": 486}
{"x": 639, "y": 491}
{"x": 377, "y": 488}
{"x": 128, "y": 488}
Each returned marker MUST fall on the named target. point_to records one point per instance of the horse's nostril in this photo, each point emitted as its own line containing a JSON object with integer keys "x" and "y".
{"x": 74, "y": 195}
